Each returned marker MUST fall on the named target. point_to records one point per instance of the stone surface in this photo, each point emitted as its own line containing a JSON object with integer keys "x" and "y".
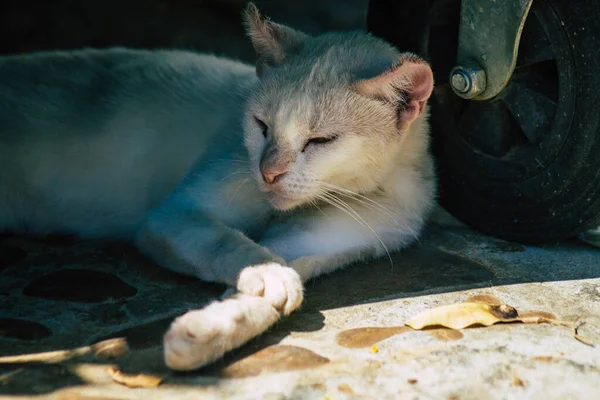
{"x": 80, "y": 285}
{"x": 348, "y": 341}
{"x": 14, "y": 328}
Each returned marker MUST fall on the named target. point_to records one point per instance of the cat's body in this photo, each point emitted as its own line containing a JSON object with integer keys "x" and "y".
{"x": 91, "y": 140}
{"x": 259, "y": 183}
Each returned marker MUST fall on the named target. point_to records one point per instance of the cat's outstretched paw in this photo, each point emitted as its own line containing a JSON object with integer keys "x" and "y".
{"x": 193, "y": 339}
{"x": 200, "y": 337}
{"x": 279, "y": 285}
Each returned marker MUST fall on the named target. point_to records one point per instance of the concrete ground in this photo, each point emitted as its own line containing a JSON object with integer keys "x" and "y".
{"x": 61, "y": 295}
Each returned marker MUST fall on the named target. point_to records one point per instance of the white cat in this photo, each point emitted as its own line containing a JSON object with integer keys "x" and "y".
{"x": 257, "y": 178}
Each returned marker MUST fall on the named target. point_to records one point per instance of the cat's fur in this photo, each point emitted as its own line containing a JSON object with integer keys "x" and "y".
{"x": 167, "y": 148}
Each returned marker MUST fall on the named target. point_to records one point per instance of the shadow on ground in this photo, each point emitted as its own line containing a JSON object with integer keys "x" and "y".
{"x": 61, "y": 294}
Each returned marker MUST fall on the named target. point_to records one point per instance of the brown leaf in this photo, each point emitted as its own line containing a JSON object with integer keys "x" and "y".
{"x": 485, "y": 299}
{"x": 586, "y": 329}
{"x": 367, "y": 337}
{"x": 462, "y": 315}
{"x": 345, "y": 388}
{"x": 134, "y": 381}
{"x": 516, "y": 381}
{"x": 535, "y": 317}
{"x": 111, "y": 349}
{"x": 445, "y": 334}
{"x": 275, "y": 358}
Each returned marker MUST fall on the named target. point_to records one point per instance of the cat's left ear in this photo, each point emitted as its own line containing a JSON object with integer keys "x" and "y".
{"x": 407, "y": 86}
{"x": 272, "y": 42}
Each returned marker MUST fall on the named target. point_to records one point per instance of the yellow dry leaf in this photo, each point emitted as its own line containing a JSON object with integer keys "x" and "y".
{"x": 111, "y": 349}
{"x": 374, "y": 349}
{"x": 134, "y": 381}
{"x": 462, "y": 315}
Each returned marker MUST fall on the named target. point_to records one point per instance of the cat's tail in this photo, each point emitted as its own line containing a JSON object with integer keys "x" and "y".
{"x": 200, "y": 337}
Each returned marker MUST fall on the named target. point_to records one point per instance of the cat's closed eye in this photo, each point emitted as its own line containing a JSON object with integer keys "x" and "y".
{"x": 263, "y": 126}
{"x": 319, "y": 141}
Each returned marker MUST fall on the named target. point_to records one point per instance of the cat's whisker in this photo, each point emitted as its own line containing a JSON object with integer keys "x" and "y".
{"x": 192, "y": 192}
{"x": 372, "y": 204}
{"x": 380, "y": 210}
{"x": 218, "y": 160}
{"x": 342, "y": 205}
{"x": 325, "y": 198}
{"x": 367, "y": 205}
{"x": 238, "y": 172}
{"x": 412, "y": 231}
{"x": 365, "y": 224}
{"x": 314, "y": 204}
{"x": 233, "y": 159}
{"x": 350, "y": 193}
{"x": 237, "y": 190}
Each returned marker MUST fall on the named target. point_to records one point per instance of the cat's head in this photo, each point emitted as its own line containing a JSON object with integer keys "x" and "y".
{"x": 330, "y": 112}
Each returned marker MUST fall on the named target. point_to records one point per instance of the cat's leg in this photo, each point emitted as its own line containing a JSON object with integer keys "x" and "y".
{"x": 189, "y": 241}
{"x": 192, "y": 243}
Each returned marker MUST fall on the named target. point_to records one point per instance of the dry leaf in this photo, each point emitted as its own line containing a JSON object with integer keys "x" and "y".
{"x": 516, "y": 381}
{"x": 445, "y": 334}
{"x": 134, "y": 381}
{"x": 485, "y": 299}
{"x": 55, "y": 356}
{"x": 586, "y": 329}
{"x": 345, "y": 388}
{"x": 276, "y": 358}
{"x": 366, "y": 337}
{"x": 462, "y": 315}
{"x": 111, "y": 349}
{"x": 536, "y": 317}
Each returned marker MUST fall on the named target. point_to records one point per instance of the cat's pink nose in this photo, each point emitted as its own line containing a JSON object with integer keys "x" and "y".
{"x": 272, "y": 174}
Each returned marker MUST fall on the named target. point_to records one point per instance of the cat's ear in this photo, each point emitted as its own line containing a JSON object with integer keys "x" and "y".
{"x": 272, "y": 42}
{"x": 407, "y": 86}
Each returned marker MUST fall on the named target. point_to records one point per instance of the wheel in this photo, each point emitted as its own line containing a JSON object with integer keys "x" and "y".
{"x": 525, "y": 165}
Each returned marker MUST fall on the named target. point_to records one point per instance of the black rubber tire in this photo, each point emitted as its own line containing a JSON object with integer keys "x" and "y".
{"x": 517, "y": 196}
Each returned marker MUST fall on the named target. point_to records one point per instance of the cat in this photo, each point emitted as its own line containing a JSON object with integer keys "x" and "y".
{"x": 259, "y": 177}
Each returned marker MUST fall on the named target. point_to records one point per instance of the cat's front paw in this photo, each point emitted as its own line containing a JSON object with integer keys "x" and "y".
{"x": 199, "y": 337}
{"x": 278, "y": 284}
{"x": 202, "y": 336}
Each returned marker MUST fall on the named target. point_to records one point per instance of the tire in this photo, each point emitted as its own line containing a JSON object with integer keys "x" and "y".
{"x": 525, "y": 165}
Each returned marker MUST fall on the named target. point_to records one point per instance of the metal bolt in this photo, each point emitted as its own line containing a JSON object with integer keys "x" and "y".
{"x": 461, "y": 82}
{"x": 468, "y": 79}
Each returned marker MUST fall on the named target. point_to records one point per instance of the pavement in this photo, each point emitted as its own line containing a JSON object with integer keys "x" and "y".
{"x": 70, "y": 311}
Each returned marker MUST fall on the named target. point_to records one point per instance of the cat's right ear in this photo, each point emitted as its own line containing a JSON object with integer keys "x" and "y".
{"x": 406, "y": 86}
{"x": 272, "y": 42}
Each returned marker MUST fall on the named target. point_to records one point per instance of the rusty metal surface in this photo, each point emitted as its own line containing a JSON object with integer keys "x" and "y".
{"x": 489, "y": 34}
